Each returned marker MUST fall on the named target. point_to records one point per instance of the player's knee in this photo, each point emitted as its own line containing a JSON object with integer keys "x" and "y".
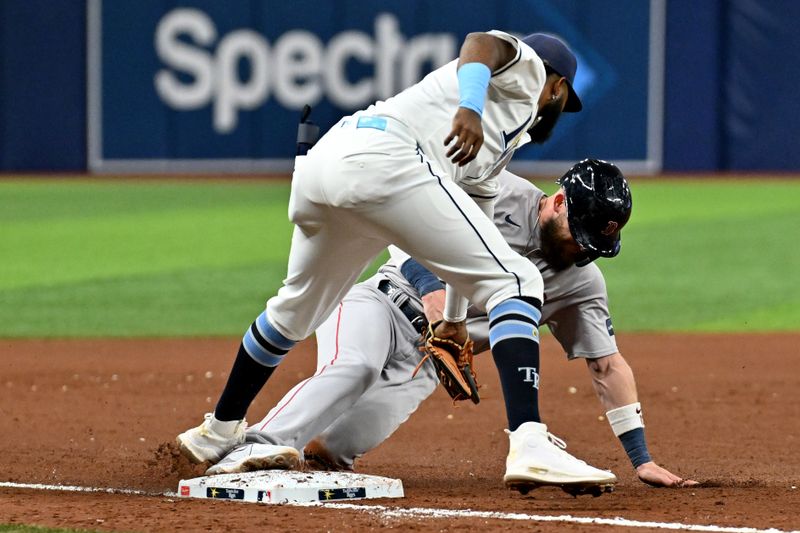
{"x": 363, "y": 371}
{"x": 524, "y": 280}
{"x": 532, "y": 284}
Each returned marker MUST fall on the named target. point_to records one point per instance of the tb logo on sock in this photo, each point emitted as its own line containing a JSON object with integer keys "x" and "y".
{"x": 531, "y": 375}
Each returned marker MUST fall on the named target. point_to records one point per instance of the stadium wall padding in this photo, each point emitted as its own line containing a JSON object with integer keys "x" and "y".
{"x": 731, "y": 69}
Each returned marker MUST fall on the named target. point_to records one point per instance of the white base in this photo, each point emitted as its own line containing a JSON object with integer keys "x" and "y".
{"x": 281, "y": 486}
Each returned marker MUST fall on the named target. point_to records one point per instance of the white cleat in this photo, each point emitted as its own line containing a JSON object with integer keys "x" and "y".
{"x": 537, "y": 458}
{"x": 212, "y": 439}
{"x": 252, "y": 457}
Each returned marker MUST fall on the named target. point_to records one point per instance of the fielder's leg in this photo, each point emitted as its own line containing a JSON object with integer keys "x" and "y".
{"x": 322, "y": 268}
{"x": 329, "y": 251}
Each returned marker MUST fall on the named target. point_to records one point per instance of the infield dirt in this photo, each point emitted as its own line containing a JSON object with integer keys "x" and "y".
{"x": 721, "y": 409}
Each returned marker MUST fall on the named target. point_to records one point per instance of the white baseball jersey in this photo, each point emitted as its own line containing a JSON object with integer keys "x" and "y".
{"x": 427, "y": 110}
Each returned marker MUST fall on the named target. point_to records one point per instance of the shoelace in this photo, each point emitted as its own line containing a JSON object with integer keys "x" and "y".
{"x": 559, "y": 443}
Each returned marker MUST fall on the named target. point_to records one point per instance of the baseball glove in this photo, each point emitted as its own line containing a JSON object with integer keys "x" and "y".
{"x": 453, "y": 363}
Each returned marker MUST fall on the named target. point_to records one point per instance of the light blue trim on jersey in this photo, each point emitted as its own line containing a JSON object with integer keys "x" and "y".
{"x": 517, "y": 307}
{"x": 377, "y": 123}
{"x": 272, "y": 335}
{"x": 258, "y": 352}
{"x": 473, "y": 80}
{"x": 516, "y": 329}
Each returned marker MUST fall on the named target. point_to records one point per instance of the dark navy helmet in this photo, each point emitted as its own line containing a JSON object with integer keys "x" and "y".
{"x": 598, "y": 206}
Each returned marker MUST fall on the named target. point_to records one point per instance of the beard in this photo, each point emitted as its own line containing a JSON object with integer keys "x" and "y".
{"x": 551, "y": 247}
{"x": 548, "y": 117}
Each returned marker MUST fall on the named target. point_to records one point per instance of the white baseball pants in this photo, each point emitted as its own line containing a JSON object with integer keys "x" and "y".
{"x": 363, "y": 188}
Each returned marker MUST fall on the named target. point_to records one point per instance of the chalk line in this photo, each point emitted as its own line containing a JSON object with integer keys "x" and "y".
{"x": 73, "y": 488}
{"x": 425, "y": 512}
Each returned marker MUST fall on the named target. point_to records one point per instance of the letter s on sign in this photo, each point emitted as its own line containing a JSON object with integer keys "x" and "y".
{"x": 181, "y": 56}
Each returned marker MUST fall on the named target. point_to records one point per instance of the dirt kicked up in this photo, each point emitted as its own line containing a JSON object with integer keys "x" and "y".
{"x": 721, "y": 409}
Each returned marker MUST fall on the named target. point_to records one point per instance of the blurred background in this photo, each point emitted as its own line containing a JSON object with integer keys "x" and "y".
{"x": 214, "y": 86}
{"x": 125, "y": 103}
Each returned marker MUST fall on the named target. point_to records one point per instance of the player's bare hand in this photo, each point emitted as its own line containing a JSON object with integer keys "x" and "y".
{"x": 457, "y": 331}
{"x": 433, "y": 305}
{"x": 466, "y": 137}
{"x": 654, "y": 475}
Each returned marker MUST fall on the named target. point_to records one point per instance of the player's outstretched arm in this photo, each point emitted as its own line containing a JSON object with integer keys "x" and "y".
{"x": 481, "y": 54}
{"x": 615, "y": 386}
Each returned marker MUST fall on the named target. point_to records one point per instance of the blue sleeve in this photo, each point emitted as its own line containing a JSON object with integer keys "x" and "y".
{"x": 420, "y": 277}
{"x": 634, "y": 444}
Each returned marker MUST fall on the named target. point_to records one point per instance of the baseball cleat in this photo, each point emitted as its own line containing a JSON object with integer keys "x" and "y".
{"x": 573, "y": 489}
{"x": 252, "y": 457}
{"x": 211, "y": 440}
{"x": 537, "y": 458}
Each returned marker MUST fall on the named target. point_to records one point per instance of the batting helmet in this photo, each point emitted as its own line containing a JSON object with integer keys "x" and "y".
{"x": 598, "y": 206}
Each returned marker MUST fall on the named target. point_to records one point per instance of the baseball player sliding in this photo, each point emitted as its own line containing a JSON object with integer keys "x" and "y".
{"x": 363, "y": 388}
{"x": 412, "y": 171}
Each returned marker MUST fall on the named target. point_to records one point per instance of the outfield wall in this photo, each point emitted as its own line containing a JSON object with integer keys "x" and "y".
{"x": 205, "y": 85}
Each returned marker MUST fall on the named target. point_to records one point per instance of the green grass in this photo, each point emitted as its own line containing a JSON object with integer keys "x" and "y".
{"x": 709, "y": 256}
{"x": 149, "y": 258}
{"x": 89, "y": 258}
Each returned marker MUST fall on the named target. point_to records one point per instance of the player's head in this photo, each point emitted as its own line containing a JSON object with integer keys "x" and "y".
{"x": 559, "y": 60}
{"x": 583, "y": 219}
{"x": 599, "y": 204}
{"x": 558, "y": 94}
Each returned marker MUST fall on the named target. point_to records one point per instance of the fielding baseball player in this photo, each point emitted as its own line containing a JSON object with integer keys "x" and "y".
{"x": 412, "y": 171}
{"x": 367, "y": 349}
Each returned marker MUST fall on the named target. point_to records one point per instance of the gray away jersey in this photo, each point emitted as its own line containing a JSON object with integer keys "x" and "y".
{"x": 576, "y": 302}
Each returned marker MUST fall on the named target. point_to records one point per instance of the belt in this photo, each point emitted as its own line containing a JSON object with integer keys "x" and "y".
{"x": 418, "y": 320}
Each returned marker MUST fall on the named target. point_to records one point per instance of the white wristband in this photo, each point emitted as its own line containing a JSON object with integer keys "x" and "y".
{"x": 626, "y": 418}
